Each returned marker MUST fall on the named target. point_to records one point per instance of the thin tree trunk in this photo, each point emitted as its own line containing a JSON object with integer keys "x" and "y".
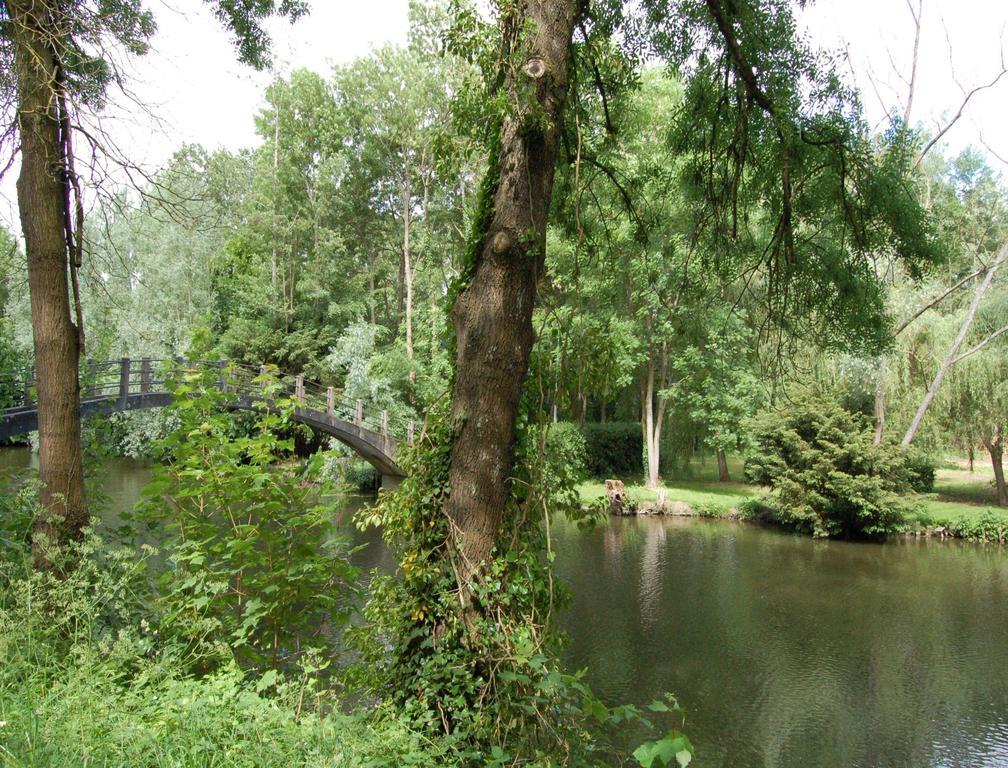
{"x": 373, "y": 300}
{"x": 880, "y": 399}
{"x": 273, "y": 221}
{"x": 492, "y": 316}
{"x": 722, "y": 466}
{"x": 649, "y": 428}
{"x": 408, "y": 268}
{"x": 41, "y": 204}
{"x": 654, "y": 419}
{"x": 995, "y": 447}
{"x": 956, "y": 344}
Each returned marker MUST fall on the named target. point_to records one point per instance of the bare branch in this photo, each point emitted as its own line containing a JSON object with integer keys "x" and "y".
{"x": 982, "y": 344}
{"x": 967, "y": 96}
{"x": 916, "y": 48}
{"x": 902, "y": 326}
{"x": 990, "y": 149}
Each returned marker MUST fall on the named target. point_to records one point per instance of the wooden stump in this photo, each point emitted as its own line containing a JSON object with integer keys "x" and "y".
{"x": 619, "y": 504}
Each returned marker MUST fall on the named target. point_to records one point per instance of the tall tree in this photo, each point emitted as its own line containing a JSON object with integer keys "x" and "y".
{"x": 768, "y": 141}
{"x": 60, "y": 54}
{"x": 492, "y": 314}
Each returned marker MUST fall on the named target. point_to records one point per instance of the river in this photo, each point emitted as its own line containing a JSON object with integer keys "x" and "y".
{"x": 784, "y": 651}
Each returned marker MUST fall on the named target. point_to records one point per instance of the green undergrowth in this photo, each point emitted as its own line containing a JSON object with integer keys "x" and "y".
{"x": 961, "y": 521}
{"x": 88, "y": 676}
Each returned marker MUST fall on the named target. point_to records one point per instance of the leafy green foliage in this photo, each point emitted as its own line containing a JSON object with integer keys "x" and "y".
{"x": 245, "y": 17}
{"x": 18, "y": 507}
{"x": 567, "y": 452}
{"x": 613, "y": 449}
{"x": 987, "y": 527}
{"x": 920, "y": 470}
{"x": 255, "y": 559}
{"x": 672, "y": 750}
{"x": 826, "y": 475}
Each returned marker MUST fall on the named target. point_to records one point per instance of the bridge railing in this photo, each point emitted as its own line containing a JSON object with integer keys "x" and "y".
{"x": 331, "y": 401}
{"x": 120, "y": 379}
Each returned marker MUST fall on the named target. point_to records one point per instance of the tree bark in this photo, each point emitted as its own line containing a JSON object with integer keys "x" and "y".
{"x": 722, "y": 467}
{"x": 41, "y": 204}
{"x": 492, "y": 315}
{"x": 953, "y": 351}
{"x": 995, "y": 447}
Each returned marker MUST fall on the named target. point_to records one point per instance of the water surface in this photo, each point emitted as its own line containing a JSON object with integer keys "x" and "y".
{"x": 785, "y": 652}
{"x": 788, "y": 652}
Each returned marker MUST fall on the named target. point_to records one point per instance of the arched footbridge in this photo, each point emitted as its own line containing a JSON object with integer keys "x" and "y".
{"x": 133, "y": 384}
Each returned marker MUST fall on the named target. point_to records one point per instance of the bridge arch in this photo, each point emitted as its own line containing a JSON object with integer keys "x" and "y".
{"x": 140, "y": 384}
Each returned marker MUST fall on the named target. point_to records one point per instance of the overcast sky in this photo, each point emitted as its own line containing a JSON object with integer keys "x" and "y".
{"x": 201, "y": 94}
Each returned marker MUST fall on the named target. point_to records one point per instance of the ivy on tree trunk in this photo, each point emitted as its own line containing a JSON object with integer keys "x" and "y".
{"x": 492, "y": 315}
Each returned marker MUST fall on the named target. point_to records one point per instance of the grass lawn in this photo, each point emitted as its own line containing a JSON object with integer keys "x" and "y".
{"x": 954, "y": 482}
{"x": 696, "y": 485}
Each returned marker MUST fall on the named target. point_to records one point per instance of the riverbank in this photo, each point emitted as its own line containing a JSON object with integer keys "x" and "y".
{"x": 961, "y": 507}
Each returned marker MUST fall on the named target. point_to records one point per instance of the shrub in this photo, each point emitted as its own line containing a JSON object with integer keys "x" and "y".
{"x": 921, "y": 471}
{"x": 826, "y": 475}
{"x": 986, "y": 527}
{"x": 613, "y": 449}
{"x": 254, "y": 556}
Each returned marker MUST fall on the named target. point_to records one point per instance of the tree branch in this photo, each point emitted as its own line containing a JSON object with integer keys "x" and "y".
{"x": 982, "y": 344}
{"x": 962, "y": 108}
{"x": 902, "y": 326}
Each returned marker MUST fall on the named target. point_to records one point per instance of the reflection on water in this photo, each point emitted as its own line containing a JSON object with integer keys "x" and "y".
{"x": 789, "y": 652}
{"x": 786, "y": 652}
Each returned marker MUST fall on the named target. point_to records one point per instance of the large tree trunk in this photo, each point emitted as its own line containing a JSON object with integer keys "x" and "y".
{"x": 41, "y": 203}
{"x": 995, "y": 447}
{"x": 492, "y": 316}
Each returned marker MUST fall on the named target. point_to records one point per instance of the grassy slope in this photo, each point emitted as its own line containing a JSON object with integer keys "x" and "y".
{"x": 962, "y": 499}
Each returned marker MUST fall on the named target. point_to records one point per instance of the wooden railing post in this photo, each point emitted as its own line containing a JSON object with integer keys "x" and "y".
{"x": 124, "y": 379}
{"x": 299, "y": 388}
{"x": 359, "y": 417}
{"x": 92, "y": 367}
{"x": 145, "y": 376}
{"x": 28, "y": 382}
{"x": 330, "y": 402}
{"x": 222, "y": 376}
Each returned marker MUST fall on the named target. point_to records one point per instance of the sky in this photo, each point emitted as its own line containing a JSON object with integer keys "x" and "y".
{"x": 197, "y": 91}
